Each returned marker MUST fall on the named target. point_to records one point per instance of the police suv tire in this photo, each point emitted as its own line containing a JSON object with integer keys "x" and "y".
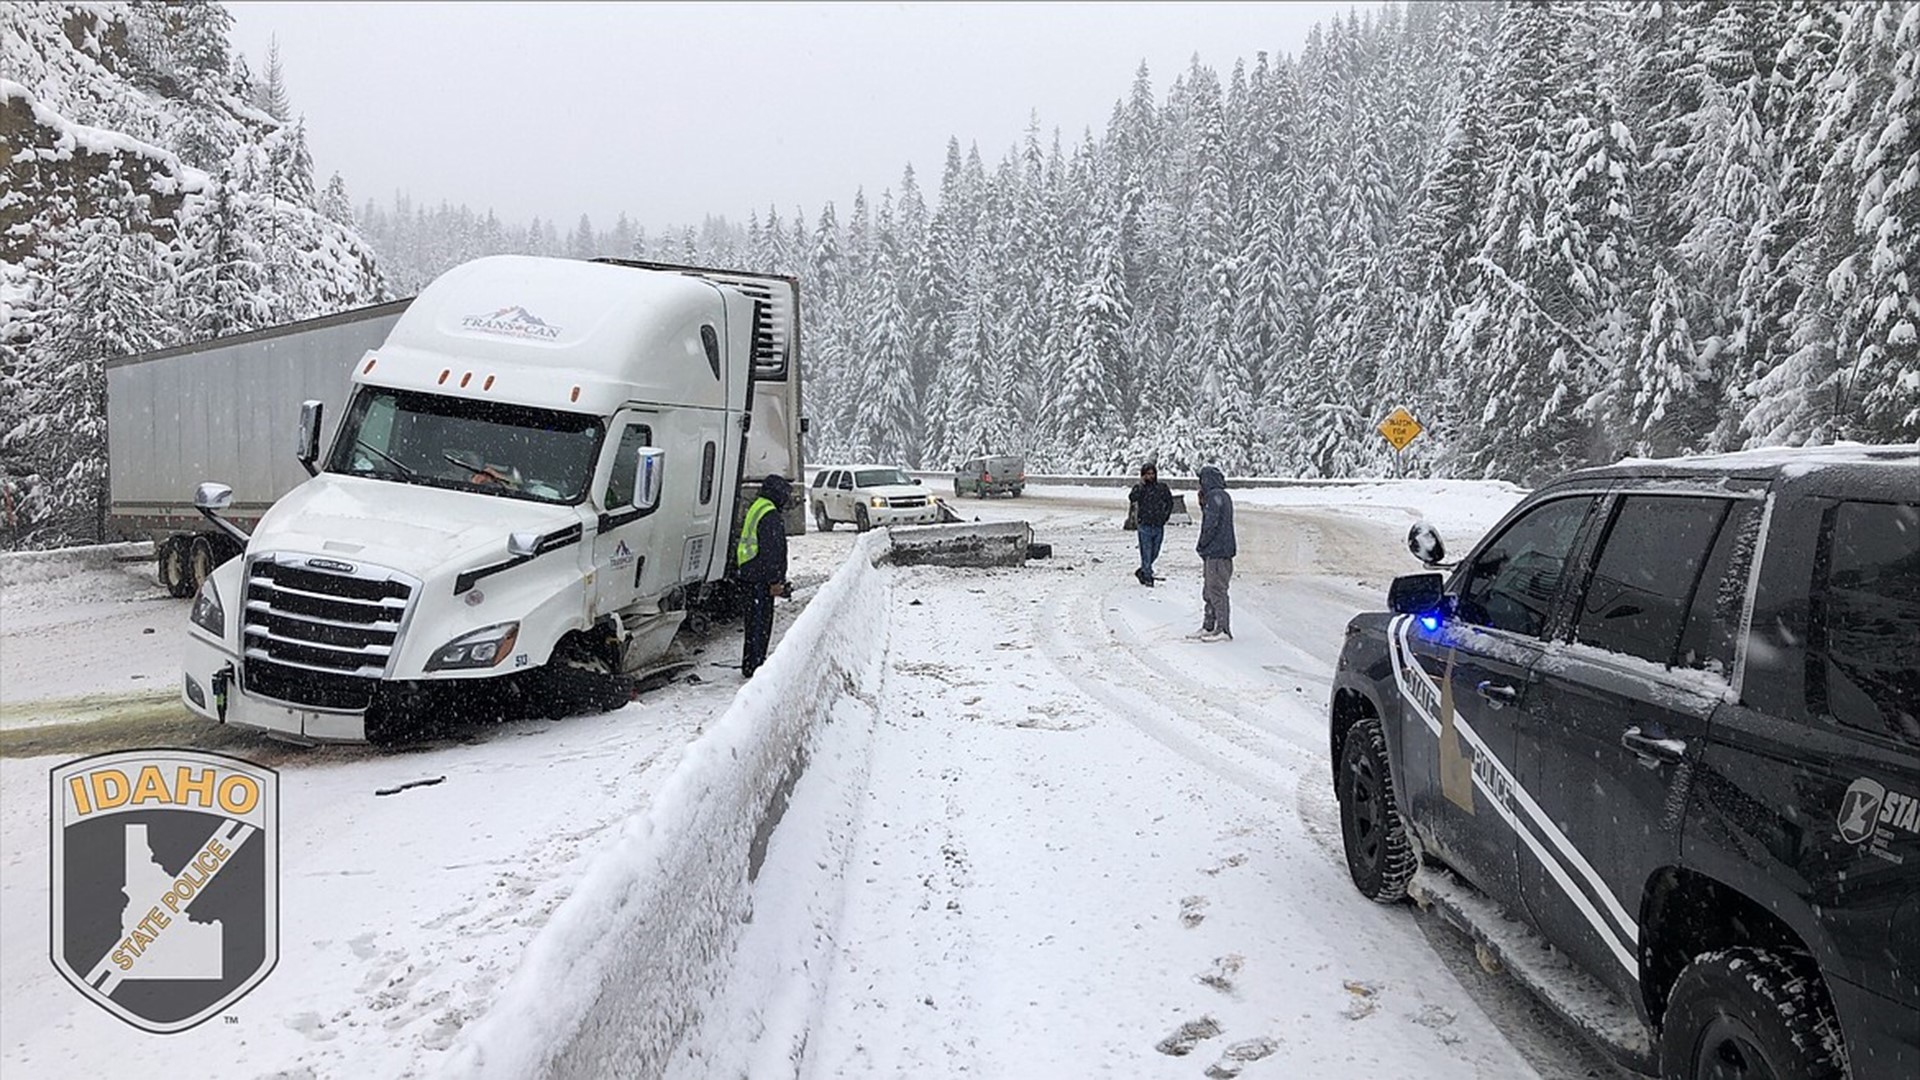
{"x": 1754, "y": 1008}
{"x": 820, "y": 517}
{"x": 861, "y": 523}
{"x": 1380, "y": 856}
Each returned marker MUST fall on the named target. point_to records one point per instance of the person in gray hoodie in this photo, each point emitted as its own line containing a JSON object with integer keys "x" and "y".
{"x": 1217, "y": 549}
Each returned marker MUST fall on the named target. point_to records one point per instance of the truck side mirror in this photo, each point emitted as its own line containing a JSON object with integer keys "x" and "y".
{"x": 211, "y": 498}
{"x": 648, "y": 476}
{"x": 308, "y": 450}
{"x": 523, "y": 545}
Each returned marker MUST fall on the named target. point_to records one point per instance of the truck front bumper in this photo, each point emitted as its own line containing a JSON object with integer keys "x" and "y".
{"x": 210, "y": 686}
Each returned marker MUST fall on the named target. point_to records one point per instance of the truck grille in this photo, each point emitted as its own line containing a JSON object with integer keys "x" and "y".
{"x": 319, "y": 638}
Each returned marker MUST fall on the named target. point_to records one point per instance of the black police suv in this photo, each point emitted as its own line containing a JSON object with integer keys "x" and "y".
{"x": 1668, "y": 715}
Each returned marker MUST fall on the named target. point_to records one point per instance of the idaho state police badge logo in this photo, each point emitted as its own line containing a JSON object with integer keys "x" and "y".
{"x": 166, "y": 899}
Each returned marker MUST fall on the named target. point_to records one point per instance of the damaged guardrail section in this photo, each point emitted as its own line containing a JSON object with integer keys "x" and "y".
{"x": 629, "y": 962}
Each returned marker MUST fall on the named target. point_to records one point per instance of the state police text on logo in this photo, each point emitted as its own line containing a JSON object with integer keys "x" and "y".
{"x": 166, "y": 899}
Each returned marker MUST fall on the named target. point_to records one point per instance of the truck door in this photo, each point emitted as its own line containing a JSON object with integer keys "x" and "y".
{"x": 1466, "y": 682}
{"x": 1619, "y": 719}
{"x": 620, "y": 544}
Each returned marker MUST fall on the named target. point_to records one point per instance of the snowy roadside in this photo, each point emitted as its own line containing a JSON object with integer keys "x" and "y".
{"x": 402, "y": 915}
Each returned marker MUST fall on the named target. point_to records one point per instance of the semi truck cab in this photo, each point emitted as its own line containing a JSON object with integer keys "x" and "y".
{"x": 533, "y": 483}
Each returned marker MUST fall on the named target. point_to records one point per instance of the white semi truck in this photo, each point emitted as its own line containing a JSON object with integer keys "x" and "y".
{"x": 533, "y": 484}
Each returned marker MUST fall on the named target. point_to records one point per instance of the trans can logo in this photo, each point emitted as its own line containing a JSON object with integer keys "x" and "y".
{"x": 512, "y": 321}
{"x": 166, "y": 898}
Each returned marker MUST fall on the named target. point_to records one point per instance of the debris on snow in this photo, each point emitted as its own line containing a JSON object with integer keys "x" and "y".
{"x": 398, "y": 788}
{"x": 1187, "y": 1036}
{"x": 1193, "y": 911}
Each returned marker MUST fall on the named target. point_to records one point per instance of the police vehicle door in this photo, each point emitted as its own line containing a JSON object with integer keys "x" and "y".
{"x": 1472, "y": 686}
{"x": 1619, "y": 718}
{"x": 620, "y": 547}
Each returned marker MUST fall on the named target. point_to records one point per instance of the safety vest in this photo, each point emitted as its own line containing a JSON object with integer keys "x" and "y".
{"x": 749, "y": 545}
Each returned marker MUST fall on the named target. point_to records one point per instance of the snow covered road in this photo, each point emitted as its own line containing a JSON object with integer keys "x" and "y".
{"x": 1089, "y": 846}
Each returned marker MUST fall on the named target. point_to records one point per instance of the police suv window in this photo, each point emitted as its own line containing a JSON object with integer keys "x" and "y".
{"x": 626, "y": 465}
{"x": 1512, "y": 584}
{"x": 1643, "y": 584}
{"x": 1719, "y": 600}
{"x": 1866, "y": 619}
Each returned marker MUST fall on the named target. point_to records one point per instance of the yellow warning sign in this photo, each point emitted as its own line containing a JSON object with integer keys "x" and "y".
{"x": 1400, "y": 428}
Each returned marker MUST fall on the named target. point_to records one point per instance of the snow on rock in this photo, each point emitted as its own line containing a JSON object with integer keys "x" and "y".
{"x": 631, "y": 962}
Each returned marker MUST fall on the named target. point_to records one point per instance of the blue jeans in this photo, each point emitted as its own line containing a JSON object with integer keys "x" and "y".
{"x": 1150, "y": 537}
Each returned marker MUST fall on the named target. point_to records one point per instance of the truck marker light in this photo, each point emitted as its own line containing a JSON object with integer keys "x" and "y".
{"x": 444, "y": 372}
{"x": 576, "y": 394}
{"x": 488, "y": 385}
{"x": 368, "y": 370}
{"x": 465, "y": 379}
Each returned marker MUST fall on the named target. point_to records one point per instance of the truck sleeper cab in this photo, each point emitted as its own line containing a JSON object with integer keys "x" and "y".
{"x": 534, "y": 481}
{"x": 1668, "y": 715}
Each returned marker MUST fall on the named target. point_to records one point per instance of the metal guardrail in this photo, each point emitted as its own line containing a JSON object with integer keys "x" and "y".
{"x": 1178, "y": 483}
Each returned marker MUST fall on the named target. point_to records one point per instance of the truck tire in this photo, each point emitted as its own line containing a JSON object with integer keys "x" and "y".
{"x": 820, "y": 517}
{"x": 171, "y": 560}
{"x": 580, "y": 678}
{"x": 956, "y": 489}
{"x": 1018, "y": 489}
{"x": 200, "y": 562}
{"x": 861, "y": 523}
{"x": 1747, "y": 1012}
{"x": 1380, "y": 856}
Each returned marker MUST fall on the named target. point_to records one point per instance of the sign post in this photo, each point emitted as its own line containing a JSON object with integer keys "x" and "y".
{"x": 1399, "y": 429}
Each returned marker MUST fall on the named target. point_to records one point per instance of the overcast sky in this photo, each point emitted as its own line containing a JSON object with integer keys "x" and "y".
{"x": 674, "y": 111}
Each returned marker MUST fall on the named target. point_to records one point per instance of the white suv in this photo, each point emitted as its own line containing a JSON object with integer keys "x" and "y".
{"x": 869, "y": 495}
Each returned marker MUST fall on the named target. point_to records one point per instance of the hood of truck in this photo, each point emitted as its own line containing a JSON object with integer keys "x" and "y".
{"x": 412, "y": 528}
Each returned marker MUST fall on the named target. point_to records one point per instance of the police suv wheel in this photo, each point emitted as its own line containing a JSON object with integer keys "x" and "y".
{"x": 1380, "y": 857}
{"x": 820, "y": 517}
{"x": 1749, "y": 1014}
{"x": 861, "y": 523}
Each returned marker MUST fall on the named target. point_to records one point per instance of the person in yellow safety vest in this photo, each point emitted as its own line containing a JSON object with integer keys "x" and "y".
{"x": 760, "y": 566}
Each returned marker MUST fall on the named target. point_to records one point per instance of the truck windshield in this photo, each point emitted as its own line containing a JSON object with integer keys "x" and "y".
{"x": 482, "y": 446}
{"x": 868, "y": 478}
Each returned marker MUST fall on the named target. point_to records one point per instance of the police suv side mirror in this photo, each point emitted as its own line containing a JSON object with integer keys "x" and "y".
{"x": 1416, "y": 594}
{"x": 1425, "y": 543}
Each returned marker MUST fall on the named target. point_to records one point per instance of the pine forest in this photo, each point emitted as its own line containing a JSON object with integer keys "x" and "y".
{"x": 1558, "y": 233}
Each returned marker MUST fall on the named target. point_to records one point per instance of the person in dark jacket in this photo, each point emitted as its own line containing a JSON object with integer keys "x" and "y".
{"x": 1217, "y": 549}
{"x": 760, "y": 565}
{"x": 1152, "y": 506}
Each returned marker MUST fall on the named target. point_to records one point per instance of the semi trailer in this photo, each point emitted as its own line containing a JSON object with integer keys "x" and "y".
{"x": 506, "y": 494}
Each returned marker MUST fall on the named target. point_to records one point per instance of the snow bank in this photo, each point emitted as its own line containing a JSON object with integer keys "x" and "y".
{"x": 630, "y": 962}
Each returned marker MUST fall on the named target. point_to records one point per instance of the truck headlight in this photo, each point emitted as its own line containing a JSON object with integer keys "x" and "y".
{"x": 879, "y": 502}
{"x": 482, "y": 648}
{"x": 208, "y": 613}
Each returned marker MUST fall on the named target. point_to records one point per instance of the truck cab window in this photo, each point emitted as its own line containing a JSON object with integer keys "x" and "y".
{"x": 626, "y": 465}
{"x": 486, "y": 447}
{"x": 1643, "y": 583}
{"x": 706, "y": 473}
{"x": 1866, "y": 619}
{"x": 1513, "y": 581}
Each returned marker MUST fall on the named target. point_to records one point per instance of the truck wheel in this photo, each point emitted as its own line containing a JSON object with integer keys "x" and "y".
{"x": 1380, "y": 857}
{"x": 1018, "y": 490}
{"x": 200, "y": 562}
{"x": 1750, "y": 1013}
{"x": 172, "y": 560}
{"x": 861, "y": 523}
{"x": 580, "y": 678}
{"x": 820, "y": 517}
